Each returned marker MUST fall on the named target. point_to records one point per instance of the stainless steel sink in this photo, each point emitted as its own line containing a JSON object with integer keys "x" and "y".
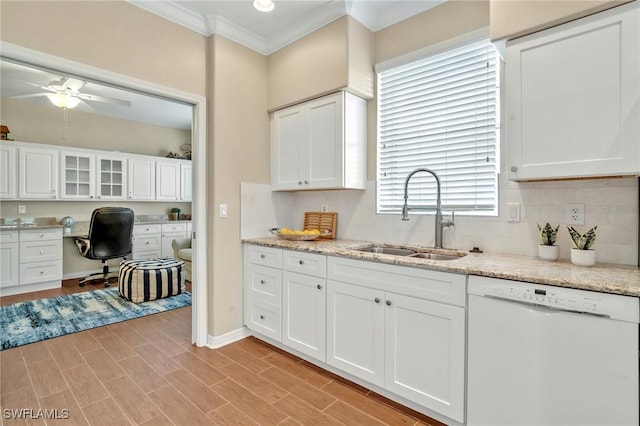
{"x": 396, "y": 251}
{"x": 410, "y": 252}
{"x": 438, "y": 256}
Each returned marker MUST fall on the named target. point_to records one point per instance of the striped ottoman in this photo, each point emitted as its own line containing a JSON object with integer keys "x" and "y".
{"x": 144, "y": 280}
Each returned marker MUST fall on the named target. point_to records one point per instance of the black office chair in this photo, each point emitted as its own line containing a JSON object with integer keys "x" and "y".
{"x": 110, "y": 237}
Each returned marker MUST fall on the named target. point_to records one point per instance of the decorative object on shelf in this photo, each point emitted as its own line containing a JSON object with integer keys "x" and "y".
{"x": 186, "y": 150}
{"x": 67, "y": 222}
{"x": 583, "y": 254}
{"x": 547, "y": 250}
{"x": 4, "y": 133}
{"x": 174, "y": 214}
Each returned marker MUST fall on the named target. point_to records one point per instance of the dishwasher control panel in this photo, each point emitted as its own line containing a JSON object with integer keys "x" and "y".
{"x": 613, "y": 306}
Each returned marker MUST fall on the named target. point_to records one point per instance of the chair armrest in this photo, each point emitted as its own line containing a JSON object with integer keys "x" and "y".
{"x": 83, "y": 244}
{"x": 180, "y": 243}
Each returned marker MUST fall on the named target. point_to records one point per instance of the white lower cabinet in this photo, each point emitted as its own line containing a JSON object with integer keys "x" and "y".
{"x": 399, "y": 328}
{"x": 9, "y": 258}
{"x": 304, "y": 304}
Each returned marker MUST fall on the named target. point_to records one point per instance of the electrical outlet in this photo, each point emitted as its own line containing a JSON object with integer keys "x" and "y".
{"x": 575, "y": 214}
{"x": 22, "y": 209}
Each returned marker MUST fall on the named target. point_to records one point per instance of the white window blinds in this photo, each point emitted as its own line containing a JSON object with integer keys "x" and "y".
{"x": 440, "y": 113}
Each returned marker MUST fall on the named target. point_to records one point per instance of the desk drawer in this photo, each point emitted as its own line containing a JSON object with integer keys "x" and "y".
{"x": 174, "y": 227}
{"x": 8, "y": 237}
{"x": 151, "y": 228}
{"x": 37, "y": 251}
{"x": 147, "y": 242}
{"x": 265, "y": 256}
{"x": 36, "y": 272}
{"x": 41, "y": 234}
{"x": 305, "y": 263}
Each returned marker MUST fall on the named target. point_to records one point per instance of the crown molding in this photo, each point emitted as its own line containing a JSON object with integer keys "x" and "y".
{"x": 374, "y": 19}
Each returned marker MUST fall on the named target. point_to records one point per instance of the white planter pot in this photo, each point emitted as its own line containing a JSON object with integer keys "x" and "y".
{"x": 583, "y": 257}
{"x": 550, "y": 253}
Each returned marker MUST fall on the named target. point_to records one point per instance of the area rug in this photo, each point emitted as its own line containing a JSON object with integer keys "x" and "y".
{"x": 35, "y": 320}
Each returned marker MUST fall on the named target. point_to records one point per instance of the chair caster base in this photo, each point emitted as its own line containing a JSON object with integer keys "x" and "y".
{"x": 81, "y": 284}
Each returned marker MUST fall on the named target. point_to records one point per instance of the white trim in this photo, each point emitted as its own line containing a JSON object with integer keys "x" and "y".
{"x": 199, "y": 145}
{"x": 215, "y": 342}
{"x": 221, "y": 26}
{"x": 29, "y": 288}
{"x": 433, "y": 49}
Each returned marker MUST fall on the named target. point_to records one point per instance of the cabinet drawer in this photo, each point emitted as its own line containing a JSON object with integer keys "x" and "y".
{"x": 265, "y": 256}
{"x": 147, "y": 255}
{"x": 36, "y": 272}
{"x": 264, "y": 283}
{"x": 8, "y": 237}
{"x": 36, "y": 251}
{"x": 41, "y": 234}
{"x": 147, "y": 242}
{"x": 174, "y": 227}
{"x": 151, "y": 228}
{"x": 305, "y": 263}
{"x": 438, "y": 286}
{"x": 265, "y": 318}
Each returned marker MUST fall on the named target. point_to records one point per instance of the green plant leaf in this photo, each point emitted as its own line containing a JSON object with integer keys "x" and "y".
{"x": 548, "y": 235}
{"x": 585, "y": 241}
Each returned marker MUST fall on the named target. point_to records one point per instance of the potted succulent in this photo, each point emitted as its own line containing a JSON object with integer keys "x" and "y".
{"x": 583, "y": 254}
{"x": 175, "y": 214}
{"x": 547, "y": 250}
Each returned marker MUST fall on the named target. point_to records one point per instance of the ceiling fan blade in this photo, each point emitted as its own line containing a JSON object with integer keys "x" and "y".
{"x": 38, "y": 86}
{"x": 95, "y": 98}
{"x": 33, "y": 95}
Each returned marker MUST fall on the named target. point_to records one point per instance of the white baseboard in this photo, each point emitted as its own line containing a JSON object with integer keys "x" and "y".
{"x": 215, "y": 342}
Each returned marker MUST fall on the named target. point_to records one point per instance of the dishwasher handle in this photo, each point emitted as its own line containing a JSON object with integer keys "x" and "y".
{"x": 546, "y": 308}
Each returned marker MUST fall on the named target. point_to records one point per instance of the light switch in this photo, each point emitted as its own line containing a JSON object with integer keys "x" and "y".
{"x": 513, "y": 214}
{"x": 223, "y": 210}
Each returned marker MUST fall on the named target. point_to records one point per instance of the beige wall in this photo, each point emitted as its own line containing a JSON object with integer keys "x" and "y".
{"x": 336, "y": 56}
{"x": 37, "y": 122}
{"x": 239, "y": 151}
{"x": 511, "y": 19}
{"x": 111, "y": 35}
{"x": 438, "y": 24}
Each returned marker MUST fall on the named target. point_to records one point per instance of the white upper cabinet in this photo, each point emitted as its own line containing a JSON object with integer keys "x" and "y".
{"x": 186, "y": 187}
{"x": 38, "y": 173}
{"x": 167, "y": 180}
{"x": 111, "y": 177}
{"x": 77, "y": 175}
{"x": 142, "y": 179}
{"x": 320, "y": 144}
{"x": 8, "y": 171}
{"x": 573, "y": 98}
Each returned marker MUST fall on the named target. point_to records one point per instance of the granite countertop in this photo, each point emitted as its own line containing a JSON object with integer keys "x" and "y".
{"x": 7, "y": 224}
{"x": 602, "y": 277}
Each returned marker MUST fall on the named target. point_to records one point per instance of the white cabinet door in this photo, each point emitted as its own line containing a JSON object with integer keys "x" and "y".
{"x": 186, "y": 181}
{"x": 425, "y": 353}
{"x": 77, "y": 175}
{"x": 355, "y": 331}
{"x": 304, "y": 313}
{"x": 167, "y": 238}
{"x": 111, "y": 177}
{"x": 38, "y": 173}
{"x": 167, "y": 180}
{"x": 8, "y": 171}
{"x": 288, "y": 148}
{"x": 320, "y": 144}
{"x": 323, "y": 165}
{"x": 572, "y": 98}
{"x": 142, "y": 179}
{"x": 9, "y": 264}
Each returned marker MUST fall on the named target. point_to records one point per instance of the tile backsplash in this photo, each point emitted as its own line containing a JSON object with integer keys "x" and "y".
{"x": 612, "y": 204}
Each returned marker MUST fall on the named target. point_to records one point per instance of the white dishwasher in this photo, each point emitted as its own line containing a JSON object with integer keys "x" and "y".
{"x": 542, "y": 355}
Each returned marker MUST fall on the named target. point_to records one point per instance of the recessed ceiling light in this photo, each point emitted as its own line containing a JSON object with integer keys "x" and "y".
{"x": 263, "y": 5}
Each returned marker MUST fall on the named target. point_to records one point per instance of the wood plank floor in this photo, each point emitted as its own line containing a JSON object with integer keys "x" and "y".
{"x": 146, "y": 372}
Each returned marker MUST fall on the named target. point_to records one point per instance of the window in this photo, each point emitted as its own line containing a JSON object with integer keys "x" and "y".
{"x": 440, "y": 113}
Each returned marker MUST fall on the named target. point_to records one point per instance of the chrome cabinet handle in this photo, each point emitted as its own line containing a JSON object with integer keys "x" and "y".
{"x": 319, "y": 287}
{"x": 261, "y": 317}
{"x": 514, "y": 169}
{"x": 301, "y": 262}
{"x": 41, "y": 251}
{"x": 262, "y": 256}
{"x": 388, "y": 302}
{"x": 299, "y": 182}
{"x": 261, "y": 281}
{"x": 377, "y": 300}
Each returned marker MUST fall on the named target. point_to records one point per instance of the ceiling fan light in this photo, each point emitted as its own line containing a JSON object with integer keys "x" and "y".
{"x": 263, "y": 5}
{"x": 63, "y": 101}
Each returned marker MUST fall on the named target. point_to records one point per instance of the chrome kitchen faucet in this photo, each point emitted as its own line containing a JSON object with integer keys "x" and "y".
{"x": 438, "y": 219}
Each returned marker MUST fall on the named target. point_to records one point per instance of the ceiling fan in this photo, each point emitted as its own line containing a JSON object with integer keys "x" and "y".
{"x": 65, "y": 93}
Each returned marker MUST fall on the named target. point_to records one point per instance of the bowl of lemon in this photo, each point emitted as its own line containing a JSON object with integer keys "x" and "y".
{"x": 296, "y": 234}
